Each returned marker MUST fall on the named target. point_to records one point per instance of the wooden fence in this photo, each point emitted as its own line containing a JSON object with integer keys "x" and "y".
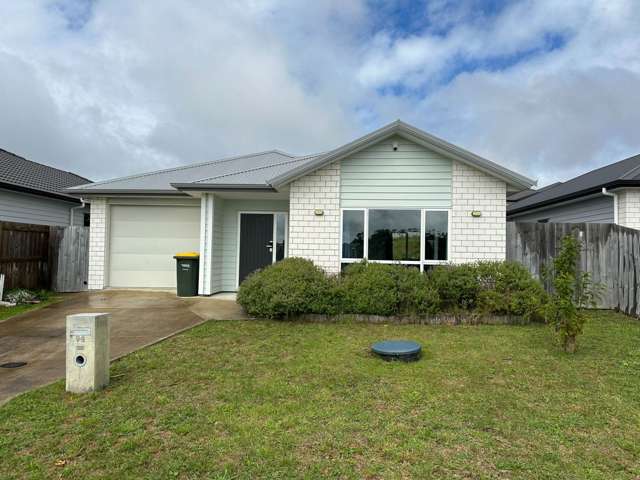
{"x": 24, "y": 255}
{"x": 39, "y": 256}
{"x": 68, "y": 251}
{"x": 611, "y": 254}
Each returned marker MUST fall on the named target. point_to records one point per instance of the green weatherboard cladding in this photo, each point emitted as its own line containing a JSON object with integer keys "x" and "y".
{"x": 381, "y": 177}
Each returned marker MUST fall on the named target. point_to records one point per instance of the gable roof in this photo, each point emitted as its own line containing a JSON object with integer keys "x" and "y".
{"x": 415, "y": 135}
{"x": 624, "y": 173}
{"x": 273, "y": 170}
{"x": 19, "y": 173}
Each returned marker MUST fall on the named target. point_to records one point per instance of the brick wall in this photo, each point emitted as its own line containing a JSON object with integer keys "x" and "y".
{"x": 481, "y": 238}
{"x": 316, "y": 237}
{"x": 629, "y": 208}
{"x": 97, "y": 243}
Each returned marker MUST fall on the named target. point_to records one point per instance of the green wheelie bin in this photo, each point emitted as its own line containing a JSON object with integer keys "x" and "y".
{"x": 187, "y": 265}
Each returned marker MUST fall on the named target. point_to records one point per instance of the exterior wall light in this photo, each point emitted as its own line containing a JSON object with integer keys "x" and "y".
{"x": 318, "y": 212}
{"x": 476, "y": 213}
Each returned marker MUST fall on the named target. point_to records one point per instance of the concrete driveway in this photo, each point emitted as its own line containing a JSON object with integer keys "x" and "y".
{"x": 138, "y": 318}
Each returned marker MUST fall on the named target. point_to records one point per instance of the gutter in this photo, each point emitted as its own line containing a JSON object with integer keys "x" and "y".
{"x": 73, "y": 209}
{"x": 607, "y": 193}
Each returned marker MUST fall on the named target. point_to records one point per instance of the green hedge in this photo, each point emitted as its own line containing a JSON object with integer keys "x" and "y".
{"x": 296, "y": 286}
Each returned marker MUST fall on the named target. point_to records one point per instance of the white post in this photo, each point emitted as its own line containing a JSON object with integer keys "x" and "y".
{"x": 87, "y": 363}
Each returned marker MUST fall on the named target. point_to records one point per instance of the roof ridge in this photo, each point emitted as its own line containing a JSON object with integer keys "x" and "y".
{"x": 294, "y": 159}
{"x": 43, "y": 164}
{"x": 185, "y": 167}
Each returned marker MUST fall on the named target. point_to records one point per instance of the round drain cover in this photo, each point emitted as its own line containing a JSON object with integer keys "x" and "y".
{"x": 13, "y": 365}
{"x": 406, "y": 350}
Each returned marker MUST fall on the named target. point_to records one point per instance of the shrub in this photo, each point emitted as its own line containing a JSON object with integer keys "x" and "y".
{"x": 21, "y": 296}
{"x": 370, "y": 288}
{"x": 457, "y": 285}
{"x": 416, "y": 295}
{"x": 287, "y": 288}
{"x": 382, "y": 289}
{"x": 573, "y": 291}
{"x": 507, "y": 288}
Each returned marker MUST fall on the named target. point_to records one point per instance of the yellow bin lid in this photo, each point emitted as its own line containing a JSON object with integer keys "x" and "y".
{"x": 187, "y": 255}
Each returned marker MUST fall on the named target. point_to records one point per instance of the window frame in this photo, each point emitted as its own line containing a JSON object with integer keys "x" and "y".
{"x": 423, "y": 223}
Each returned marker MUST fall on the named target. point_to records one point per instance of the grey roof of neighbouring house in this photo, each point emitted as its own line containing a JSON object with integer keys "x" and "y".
{"x": 274, "y": 169}
{"x": 620, "y": 174}
{"x": 18, "y": 173}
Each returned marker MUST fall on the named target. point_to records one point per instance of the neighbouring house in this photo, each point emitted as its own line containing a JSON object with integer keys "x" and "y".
{"x": 397, "y": 194}
{"x": 610, "y": 194}
{"x": 34, "y": 193}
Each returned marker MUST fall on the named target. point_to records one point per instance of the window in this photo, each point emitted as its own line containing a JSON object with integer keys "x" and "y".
{"x": 436, "y": 233}
{"x": 353, "y": 234}
{"x": 280, "y": 235}
{"x": 394, "y": 235}
{"x": 414, "y": 237}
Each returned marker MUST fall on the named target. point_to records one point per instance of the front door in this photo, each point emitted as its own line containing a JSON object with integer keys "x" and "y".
{"x": 256, "y": 242}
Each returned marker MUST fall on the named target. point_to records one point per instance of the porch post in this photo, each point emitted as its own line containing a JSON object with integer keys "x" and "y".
{"x": 206, "y": 243}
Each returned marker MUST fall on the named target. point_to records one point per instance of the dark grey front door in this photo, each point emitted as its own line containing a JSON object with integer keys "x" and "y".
{"x": 256, "y": 242}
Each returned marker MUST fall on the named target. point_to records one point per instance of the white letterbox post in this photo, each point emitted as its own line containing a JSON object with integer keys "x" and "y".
{"x": 87, "y": 352}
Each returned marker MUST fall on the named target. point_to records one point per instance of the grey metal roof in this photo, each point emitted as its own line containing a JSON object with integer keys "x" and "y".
{"x": 275, "y": 169}
{"x": 23, "y": 174}
{"x": 241, "y": 168}
{"x": 623, "y": 173}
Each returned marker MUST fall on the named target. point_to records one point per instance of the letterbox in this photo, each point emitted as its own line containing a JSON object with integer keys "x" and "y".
{"x": 87, "y": 352}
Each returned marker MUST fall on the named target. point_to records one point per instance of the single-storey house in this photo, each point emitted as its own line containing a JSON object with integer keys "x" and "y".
{"x": 34, "y": 193}
{"x": 610, "y": 194}
{"x": 396, "y": 195}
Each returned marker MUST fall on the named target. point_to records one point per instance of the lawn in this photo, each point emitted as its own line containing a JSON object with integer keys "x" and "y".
{"x": 8, "y": 312}
{"x": 261, "y": 399}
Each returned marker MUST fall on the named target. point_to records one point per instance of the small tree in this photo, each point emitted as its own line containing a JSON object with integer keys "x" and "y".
{"x": 573, "y": 291}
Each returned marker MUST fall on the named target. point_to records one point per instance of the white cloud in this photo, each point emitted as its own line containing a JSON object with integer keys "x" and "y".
{"x": 149, "y": 84}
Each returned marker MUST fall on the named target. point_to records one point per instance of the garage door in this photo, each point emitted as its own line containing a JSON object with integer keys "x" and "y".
{"x": 143, "y": 241}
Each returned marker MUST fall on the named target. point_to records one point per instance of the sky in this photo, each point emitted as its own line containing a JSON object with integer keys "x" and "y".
{"x": 107, "y": 88}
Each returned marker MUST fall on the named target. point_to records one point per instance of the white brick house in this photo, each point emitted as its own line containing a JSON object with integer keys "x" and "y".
{"x": 396, "y": 195}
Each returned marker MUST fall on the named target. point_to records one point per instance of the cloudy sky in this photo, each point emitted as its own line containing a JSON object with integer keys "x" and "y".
{"x": 107, "y": 88}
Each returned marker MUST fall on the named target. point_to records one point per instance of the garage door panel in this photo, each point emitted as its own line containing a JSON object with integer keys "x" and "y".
{"x": 159, "y": 246}
{"x": 143, "y": 240}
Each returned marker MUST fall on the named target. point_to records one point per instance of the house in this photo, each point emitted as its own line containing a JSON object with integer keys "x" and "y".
{"x": 397, "y": 194}
{"x": 34, "y": 193}
{"x": 606, "y": 195}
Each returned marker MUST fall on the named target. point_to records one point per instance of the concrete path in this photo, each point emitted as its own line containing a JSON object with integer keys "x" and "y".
{"x": 138, "y": 318}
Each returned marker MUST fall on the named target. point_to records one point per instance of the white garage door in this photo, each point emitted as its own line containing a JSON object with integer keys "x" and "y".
{"x": 143, "y": 241}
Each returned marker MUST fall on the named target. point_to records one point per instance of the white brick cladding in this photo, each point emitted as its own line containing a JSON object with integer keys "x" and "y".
{"x": 316, "y": 237}
{"x": 477, "y": 238}
{"x": 629, "y": 207}
{"x": 97, "y": 243}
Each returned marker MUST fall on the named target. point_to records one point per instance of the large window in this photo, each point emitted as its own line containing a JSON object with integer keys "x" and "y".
{"x": 408, "y": 236}
{"x": 394, "y": 235}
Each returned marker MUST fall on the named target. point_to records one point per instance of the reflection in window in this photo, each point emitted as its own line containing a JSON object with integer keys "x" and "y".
{"x": 353, "y": 234}
{"x": 394, "y": 235}
{"x": 435, "y": 236}
{"x": 281, "y": 224}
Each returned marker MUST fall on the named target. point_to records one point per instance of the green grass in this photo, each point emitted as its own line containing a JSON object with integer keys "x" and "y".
{"x": 8, "y": 312}
{"x": 284, "y": 400}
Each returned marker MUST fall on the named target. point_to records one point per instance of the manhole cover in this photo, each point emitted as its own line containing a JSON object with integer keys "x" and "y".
{"x": 13, "y": 364}
{"x": 397, "y": 350}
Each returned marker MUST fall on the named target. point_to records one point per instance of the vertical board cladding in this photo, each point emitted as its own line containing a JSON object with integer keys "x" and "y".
{"x": 629, "y": 207}
{"x": 97, "y": 243}
{"x": 314, "y": 217}
{"x": 409, "y": 176}
{"x": 483, "y": 237}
